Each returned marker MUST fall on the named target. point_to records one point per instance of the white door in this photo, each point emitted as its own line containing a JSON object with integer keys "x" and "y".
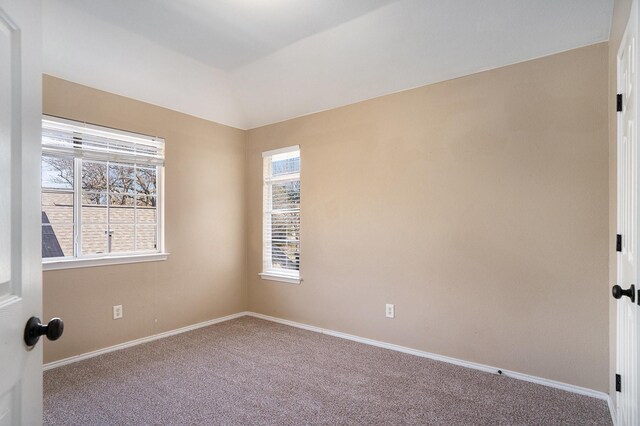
{"x": 626, "y": 290}
{"x": 20, "y": 262}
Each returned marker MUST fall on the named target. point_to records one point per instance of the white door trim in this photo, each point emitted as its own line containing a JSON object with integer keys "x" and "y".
{"x": 627, "y": 194}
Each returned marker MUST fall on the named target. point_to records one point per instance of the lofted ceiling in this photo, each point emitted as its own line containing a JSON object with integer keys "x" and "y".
{"x": 247, "y": 63}
{"x": 227, "y": 33}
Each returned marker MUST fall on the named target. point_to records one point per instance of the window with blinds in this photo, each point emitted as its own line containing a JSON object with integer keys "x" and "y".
{"x": 101, "y": 191}
{"x": 281, "y": 207}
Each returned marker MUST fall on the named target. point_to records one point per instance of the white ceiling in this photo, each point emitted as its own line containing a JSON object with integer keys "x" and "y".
{"x": 246, "y": 63}
{"x": 227, "y": 33}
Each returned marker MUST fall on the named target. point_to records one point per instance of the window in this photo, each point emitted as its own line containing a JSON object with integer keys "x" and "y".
{"x": 281, "y": 221}
{"x": 101, "y": 195}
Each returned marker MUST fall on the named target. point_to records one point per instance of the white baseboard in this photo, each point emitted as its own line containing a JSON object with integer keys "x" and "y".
{"x": 486, "y": 368}
{"x": 140, "y": 341}
{"x": 476, "y": 366}
{"x": 612, "y": 410}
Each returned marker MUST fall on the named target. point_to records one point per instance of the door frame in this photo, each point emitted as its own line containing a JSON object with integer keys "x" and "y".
{"x": 620, "y": 88}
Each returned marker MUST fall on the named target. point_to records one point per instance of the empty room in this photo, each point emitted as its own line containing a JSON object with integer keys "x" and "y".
{"x": 305, "y": 212}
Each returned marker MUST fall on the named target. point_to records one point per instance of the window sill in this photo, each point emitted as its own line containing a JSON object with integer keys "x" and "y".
{"x": 52, "y": 265}
{"x": 272, "y": 276}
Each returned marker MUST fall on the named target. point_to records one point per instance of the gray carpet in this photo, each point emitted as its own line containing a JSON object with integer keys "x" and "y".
{"x": 249, "y": 371}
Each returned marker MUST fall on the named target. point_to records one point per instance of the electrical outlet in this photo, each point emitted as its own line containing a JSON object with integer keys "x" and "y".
{"x": 117, "y": 312}
{"x": 391, "y": 310}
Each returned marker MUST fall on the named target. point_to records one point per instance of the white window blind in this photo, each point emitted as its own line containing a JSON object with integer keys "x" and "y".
{"x": 62, "y": 137}
{"x": 281, "y": 207}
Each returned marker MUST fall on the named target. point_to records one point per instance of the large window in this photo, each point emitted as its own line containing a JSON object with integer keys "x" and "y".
{"x": 101, "y": 194}
{"x": 281, "y": 221}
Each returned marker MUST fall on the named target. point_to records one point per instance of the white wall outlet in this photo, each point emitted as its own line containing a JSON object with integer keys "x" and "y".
{"x": 391, "y": 310}
{"x": 117, "y": 312}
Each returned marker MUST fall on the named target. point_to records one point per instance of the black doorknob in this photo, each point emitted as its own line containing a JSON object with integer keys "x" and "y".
{"x": 618, "y": 292}
{"x": 34, "y": 329}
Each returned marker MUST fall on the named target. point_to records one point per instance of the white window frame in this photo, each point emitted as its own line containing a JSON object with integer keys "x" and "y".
{"x": 80, "y": 260}
{"x": 291, "y": 277}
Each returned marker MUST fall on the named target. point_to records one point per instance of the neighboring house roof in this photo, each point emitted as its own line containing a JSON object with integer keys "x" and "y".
{"x": 126, "y": 225}
{"x": 50, "y": 245}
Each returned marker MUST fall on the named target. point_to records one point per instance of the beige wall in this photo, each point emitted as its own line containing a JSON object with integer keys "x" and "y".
{"x": 479, "y": 206}
{"x": 621, "y": 11}
{"x": 205, "y": 233}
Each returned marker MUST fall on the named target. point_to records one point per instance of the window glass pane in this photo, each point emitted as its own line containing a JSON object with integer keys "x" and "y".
{"x": 116, "y": 200}
{"x": 121, "y": 214}
{"x": 146, "y": 210}
{"x": 285, "y": 255}
{"x": 146, "y": 201}
{"x": 146, "y": 237}
{"x": 121, "y": 178}
{"x": 57, "y": 207}
{"x": 90, "y": 198}
{"x": 94, "y": 176}
{"x": 57, "y": 241}
{"x": 145, "y": 180}
{"x": 285, "y": 196}
{"x": 146, "y": 214}
{"x": 94, "y": 239}
{"x": 57, "y": 173}
{"x": 94, "y": 208}
{"x": 282, "y": 164}
{"x": 285, "y": 226}
{"x": 122, "y": 238}
{"x": 285, "y": 241}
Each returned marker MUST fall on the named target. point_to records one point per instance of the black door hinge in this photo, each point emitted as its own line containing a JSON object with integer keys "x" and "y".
{"x": 618, "y": 242}
{"x": 619, "y": 102}
{"x": 618, "y": 383}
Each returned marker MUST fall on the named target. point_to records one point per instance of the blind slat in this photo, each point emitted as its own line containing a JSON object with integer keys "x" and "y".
{"x": 69, "y": 138}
